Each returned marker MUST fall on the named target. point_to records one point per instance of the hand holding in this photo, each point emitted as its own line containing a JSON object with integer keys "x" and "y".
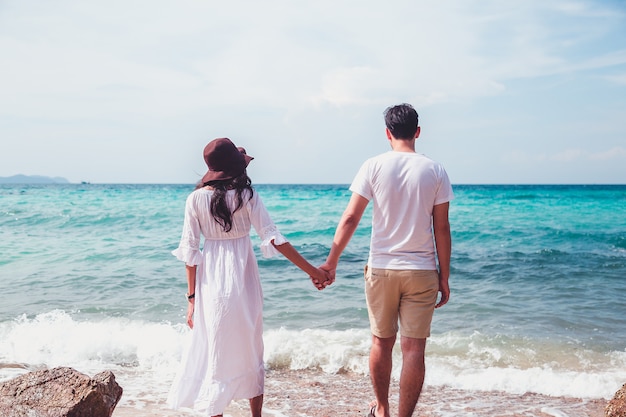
{"x": 330, "y": 270}
{"x": 321, "y": 279}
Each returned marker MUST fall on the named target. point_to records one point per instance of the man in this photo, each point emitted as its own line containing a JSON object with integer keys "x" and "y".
{"x": 410, "y": 233}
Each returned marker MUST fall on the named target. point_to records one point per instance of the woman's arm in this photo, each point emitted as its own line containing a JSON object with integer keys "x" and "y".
{"x": 191, "y": 289}
{"x": 318, "y": 276}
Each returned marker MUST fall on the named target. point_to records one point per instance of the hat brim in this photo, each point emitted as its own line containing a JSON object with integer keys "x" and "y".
{"x": 227, "y": 175}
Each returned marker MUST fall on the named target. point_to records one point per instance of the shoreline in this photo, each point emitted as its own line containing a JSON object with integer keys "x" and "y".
{"x": 301, "y": 393}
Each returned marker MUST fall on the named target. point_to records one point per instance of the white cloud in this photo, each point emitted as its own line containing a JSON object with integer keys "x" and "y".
{"x": 617, "y": 79}
{"x": 243, "y": 52}
{"x": 517, "y": 156}
{"x": 568, "y": 155}
{"x": 616, "y": 153}
{"x": 300, "y": 73}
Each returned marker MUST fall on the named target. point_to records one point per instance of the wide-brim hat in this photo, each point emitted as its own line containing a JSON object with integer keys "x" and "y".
{"x": 224, "y": 160}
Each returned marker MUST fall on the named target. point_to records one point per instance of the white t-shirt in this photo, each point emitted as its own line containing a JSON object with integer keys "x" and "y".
{"x": 404, "y": 186}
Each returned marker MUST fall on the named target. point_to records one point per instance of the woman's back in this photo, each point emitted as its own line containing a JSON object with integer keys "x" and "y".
{"x": 200, "y": 202}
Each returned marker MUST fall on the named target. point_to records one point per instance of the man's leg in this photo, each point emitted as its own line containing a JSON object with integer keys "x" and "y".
{"x": 412, "y": 374}
{"x": 380, "y": 372}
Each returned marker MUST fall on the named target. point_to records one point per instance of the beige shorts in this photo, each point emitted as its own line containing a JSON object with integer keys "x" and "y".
{"x": 405, "y": 295}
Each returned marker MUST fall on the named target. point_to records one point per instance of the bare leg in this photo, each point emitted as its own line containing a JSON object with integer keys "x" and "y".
{"x": 380, "y": 372}
{"x": 256, "y": 405}
{"x": 412, "y": 375}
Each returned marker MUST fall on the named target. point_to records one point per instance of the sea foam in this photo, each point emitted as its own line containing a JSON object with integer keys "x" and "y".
{"x": 146, "y": 354}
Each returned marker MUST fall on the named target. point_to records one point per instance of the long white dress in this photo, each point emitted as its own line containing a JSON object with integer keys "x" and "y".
{"x": 224, "y": 360}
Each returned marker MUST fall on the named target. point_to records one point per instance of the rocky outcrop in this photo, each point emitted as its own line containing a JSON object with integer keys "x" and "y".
{"x": 617, "y": 406}
{"x": 59, "y": 392}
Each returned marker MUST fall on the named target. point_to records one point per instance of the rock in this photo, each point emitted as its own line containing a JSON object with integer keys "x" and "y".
{"x": 59, "y": 392}
{"x": 617, "y": 406}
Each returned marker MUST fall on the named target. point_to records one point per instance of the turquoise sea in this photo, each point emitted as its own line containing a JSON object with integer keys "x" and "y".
{"x": 538, "y": 287}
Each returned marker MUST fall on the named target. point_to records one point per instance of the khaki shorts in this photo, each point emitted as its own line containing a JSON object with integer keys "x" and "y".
{"x": 407, "y": 295}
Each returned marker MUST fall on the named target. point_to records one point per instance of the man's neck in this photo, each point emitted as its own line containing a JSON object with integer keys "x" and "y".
{"x": 403, "y": 145}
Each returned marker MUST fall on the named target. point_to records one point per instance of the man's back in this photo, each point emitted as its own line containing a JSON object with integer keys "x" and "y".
{"x": 404, "y": 186}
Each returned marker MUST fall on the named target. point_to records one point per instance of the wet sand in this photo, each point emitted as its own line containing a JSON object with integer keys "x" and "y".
{"x": 316, "y": 394}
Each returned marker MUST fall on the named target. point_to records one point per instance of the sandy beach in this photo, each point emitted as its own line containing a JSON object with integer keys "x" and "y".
{"x": 315, "y": 394}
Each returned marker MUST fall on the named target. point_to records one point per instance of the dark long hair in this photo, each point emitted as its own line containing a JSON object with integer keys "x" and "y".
{"x": 221, "y": 212}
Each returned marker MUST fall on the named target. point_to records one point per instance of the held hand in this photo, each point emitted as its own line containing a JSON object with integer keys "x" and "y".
{"x": 330, "y": 270}
{"x": 190, "y": 310}
{"x": 321, "y": 279}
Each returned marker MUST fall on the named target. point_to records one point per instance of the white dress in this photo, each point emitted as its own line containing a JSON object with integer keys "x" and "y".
{"x": 224, "y": 360}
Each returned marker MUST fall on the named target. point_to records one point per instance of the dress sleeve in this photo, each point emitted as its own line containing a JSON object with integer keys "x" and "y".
{"x": 265, "y": 227}
{"x": 188, "y": 249}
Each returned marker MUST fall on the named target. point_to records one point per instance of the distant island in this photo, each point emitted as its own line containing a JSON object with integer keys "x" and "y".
{"x": 32, "y": 179}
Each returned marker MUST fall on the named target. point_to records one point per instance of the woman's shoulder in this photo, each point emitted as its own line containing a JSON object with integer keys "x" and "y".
{"x": 198, "y": 193}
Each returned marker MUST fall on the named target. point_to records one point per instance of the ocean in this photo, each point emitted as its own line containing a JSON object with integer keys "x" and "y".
{"x": 537, "y": 306}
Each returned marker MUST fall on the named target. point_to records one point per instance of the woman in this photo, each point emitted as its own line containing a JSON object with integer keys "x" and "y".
{"x": 224, "y": 360}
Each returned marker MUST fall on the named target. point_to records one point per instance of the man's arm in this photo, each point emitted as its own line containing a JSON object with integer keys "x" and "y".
{"x": 443, "y": 245}
{"x": 345, "y": 229}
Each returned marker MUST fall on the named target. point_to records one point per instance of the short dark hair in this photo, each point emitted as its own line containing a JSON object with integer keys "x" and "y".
{"x": 402, "y": 121}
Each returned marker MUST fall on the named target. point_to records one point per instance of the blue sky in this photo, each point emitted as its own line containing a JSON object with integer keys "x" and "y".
{"x": 529, "y": 91}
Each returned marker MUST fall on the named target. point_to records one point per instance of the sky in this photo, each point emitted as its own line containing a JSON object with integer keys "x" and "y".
{"x": 508, "y": 92}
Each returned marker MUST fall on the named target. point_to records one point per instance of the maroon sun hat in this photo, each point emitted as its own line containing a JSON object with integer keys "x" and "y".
{"x": 224, "y": 160}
